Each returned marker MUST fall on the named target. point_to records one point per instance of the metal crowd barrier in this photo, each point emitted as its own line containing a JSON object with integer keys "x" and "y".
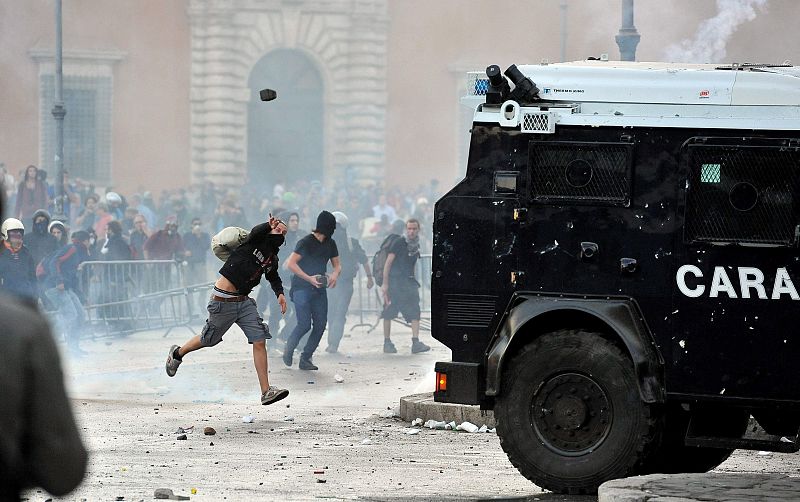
{"x": 123, "y": 297}
{"x": 367, "y": 304}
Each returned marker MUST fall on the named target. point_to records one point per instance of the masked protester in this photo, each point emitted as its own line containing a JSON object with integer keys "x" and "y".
{"x": 230, "y": 303}
{"x": 38, "y": 240}
{"x": 17, "y": 269}
{"x": 308, "y": 262}
{"x": 351, "y": 255}
{"x": 166, "y": 244}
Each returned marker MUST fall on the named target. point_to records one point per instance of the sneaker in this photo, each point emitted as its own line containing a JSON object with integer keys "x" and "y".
{"x": 417, "y": 346}
{"x": 172, "y": 362}
{"x": 273, "y": 395}
{"x": 388, "y": 347}
{"x": 306, "y": 364}
{"x": 331, "y": 350}
{"x": 287, "y": 356}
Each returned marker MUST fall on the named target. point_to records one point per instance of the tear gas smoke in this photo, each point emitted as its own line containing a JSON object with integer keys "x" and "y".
{"x": 710, "y": 42}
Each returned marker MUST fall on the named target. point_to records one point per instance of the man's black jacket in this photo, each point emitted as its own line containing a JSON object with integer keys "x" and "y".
{"x": 257, "y": 256}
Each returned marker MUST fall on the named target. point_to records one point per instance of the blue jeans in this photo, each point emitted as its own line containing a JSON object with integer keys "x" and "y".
{"x": 70, "y": 314}
{"x": 337, "y": 316}
{"x": 311, "y": 306}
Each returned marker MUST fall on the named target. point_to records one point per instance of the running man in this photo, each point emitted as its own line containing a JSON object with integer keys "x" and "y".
{"x": 230, "y": 303}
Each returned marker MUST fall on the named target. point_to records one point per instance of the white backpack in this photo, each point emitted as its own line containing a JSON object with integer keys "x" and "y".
{"x": 228, "y": 239}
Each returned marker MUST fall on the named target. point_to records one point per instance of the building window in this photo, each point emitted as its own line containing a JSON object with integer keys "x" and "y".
{"x": 87, "y": 126}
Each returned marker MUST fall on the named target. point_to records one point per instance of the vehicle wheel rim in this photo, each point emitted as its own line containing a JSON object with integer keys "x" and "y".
{"x": 571, "y": 414}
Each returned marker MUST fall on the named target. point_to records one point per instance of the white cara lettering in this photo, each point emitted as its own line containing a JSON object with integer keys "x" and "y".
{"x": 681, "y": 277}
{"x": 750, "y": 277}
{"x": 783, "y": 284}
{"x": 720, "y": 283}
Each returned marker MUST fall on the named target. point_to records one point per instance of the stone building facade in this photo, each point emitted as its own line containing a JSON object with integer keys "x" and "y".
{"x": 344, "y": 40}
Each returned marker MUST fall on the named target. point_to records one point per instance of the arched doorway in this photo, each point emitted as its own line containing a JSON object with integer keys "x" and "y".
{"x": 285, "y": 136}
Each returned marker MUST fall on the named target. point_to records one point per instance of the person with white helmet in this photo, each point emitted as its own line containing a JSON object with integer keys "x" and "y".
{"x": 17, "y": 269}
{"x": 351, "y": 255}
{"x": 114, "y": 202}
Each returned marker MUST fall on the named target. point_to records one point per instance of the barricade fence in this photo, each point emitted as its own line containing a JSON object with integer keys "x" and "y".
{"x": 123, "y": 297}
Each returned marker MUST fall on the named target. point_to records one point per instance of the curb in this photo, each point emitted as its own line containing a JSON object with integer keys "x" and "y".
{"x": 697, "y": 487}
{"x": 423, "y": 406}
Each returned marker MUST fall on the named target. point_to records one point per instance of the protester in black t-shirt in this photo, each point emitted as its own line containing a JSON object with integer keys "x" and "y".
{"x": 401, "y": 290}
{"x": 309, "y": 262}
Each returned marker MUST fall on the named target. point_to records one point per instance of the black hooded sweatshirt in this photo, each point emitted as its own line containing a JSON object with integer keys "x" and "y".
{"x": 257, "y": 256}
{"x": 39, "y": 241}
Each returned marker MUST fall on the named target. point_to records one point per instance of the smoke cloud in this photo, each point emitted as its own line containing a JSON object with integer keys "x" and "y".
{"x": 710, "y": 41}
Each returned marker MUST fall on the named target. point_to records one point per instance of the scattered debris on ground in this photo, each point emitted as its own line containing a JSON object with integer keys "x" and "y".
{"x": 248, "y": 419}
{"x": 209, "y": 431}
{"x": 166, "y": 493}
{"x": 451, "y": 426}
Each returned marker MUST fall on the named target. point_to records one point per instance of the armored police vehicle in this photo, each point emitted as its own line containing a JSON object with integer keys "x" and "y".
{"x": 615, "y": 274}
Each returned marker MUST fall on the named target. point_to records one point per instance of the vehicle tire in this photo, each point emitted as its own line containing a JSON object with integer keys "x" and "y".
{"x": 569, "y": 415}
{"x": 673, "y": 456}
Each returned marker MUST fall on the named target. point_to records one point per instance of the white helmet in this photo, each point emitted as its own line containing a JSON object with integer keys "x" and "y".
{"x": 341, "y": 219}
{"x": 113, "y": 198}
{"x": 11, "y": 224}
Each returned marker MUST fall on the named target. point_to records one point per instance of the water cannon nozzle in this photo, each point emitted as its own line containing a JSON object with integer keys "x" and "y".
{"x": 525, "y": 90}
{"x": 498, "y": 86}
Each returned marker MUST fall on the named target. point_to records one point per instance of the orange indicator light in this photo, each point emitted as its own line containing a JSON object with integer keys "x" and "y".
{"x": 441, "y": 382}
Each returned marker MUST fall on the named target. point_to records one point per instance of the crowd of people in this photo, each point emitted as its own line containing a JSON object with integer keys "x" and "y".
{"x": 40, "y": 255}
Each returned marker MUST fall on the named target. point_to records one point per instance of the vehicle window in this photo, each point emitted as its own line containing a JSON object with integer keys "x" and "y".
{"x": 585, "y": 173}
{"x": 505, "y": 181}
{"x": 741, "y": 194}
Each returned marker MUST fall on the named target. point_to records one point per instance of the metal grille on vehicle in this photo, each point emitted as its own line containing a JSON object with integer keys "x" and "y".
{"x": 742, "y": 194}
{"x": 477, "y": 83}
{"x": 470, "y": 311}
{"x": 541, "y": 122}
{"x": 582, "y": 172}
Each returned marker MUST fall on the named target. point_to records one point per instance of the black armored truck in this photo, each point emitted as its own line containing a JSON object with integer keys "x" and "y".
{"x": 615, "y": 273}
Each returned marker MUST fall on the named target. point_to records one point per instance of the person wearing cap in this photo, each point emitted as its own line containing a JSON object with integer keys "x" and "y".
{"x": 308, "y": 263}
{"x": 351, "y": 255}
{"x": 17, "y": 268}
{"x": 231, "y": 304}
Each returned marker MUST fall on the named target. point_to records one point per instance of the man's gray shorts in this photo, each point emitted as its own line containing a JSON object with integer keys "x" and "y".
{"x": 222, "y": 315}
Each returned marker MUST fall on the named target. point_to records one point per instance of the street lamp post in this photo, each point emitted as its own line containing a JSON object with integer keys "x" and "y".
{"x": 58, "y": 113}
{"x": 563, "y": 7}
{"x": 628, "y": 37}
